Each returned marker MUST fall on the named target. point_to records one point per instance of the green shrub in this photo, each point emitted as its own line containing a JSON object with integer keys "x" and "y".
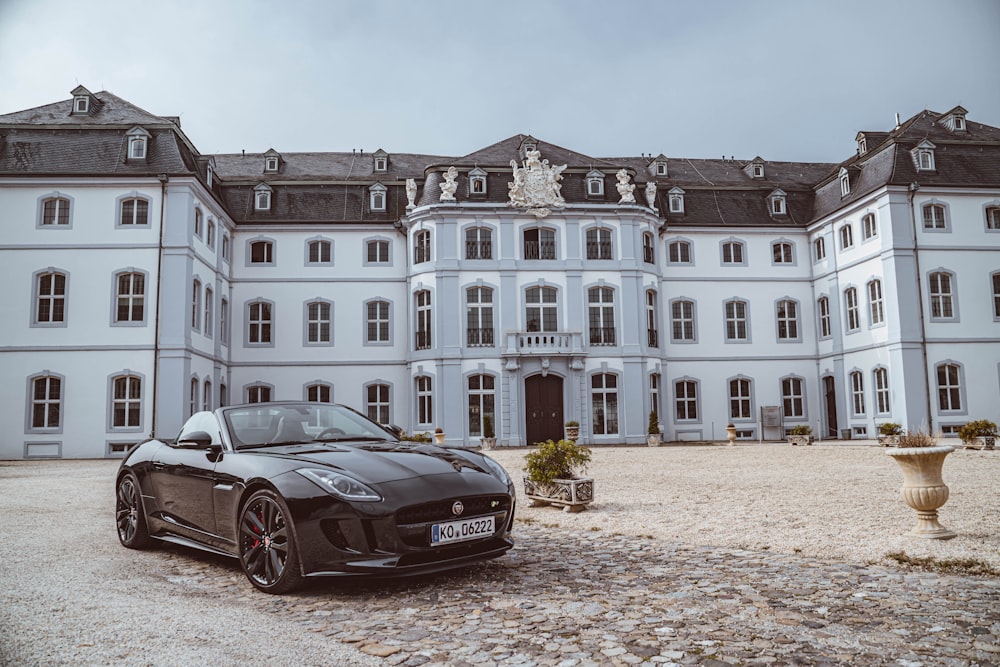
{"x": 654, "y": 424}
{"x": 556, "y": 460}
{"x": 800, "y": 429}
{"x": 890, "y": 428}
{"x": 977, "y": 428}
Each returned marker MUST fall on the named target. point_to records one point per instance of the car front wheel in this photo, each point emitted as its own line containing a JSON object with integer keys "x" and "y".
{"x": 268, "y": 552}
{"x": 129, "y": 517}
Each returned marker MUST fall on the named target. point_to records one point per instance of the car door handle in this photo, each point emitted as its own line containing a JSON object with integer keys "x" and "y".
{"x": 159, "y": 465}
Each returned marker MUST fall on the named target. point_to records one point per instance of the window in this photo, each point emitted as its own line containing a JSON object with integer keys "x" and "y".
{"x": 881, "y": 376}
{"x": 686, "y": 400}
{"x": 995, "y": 278}
{"x": 381, "y": 162}
{"x": 196, "y": 304}
{"x": 262, "y": 197}
{"x": 682, "y": 320}
{"x": 50, "y": 291}
{"x": 377, "y": 251}
{"x": 539, "y": 243}
{"x": 478, "y": 243}
{"x": 258, "y": 393}
{"x": 781, "y": 252}
{"x": 846, "y": 237}
{"x": 425, "y": 405}
{"x": 942, "y": 304}
{"x": 876, "y": 307}
{"x": 259, "y": 323}
{"x": 224, "y": 320}
{"x": 851, "y": 309}
{"x": 223, "y": 395}
{"x": 130, "y": 297}
{"x": 777, "y": 199}
{"x": 934, "y": 217}
{"x": 482, "y": 405}
{"x": 376, "y": 197}
{"x": 739, "y": 399}
{"x": 225, "y": 247}
{"x": 46, "y": 402}
{"x": 479, "y": 317}
{"x": 421, "y": 246}
{"x": 541, "y": 310}
{"x": 819, "y": 248}
{"x": 377, "y": 403}
{"x": 126, "y": 404}
{"x": 206, "y": 396}
{"x": 736, "y": 321}
{"x": 788, "y": 320}
{"x": 193, "y": 405}
{"x": 319, "y": 252}
{"x": 377, "y": 321}
{"x": 661, "y": 168}
{"x": 422, "y": 300}
{"x": 209, "y": 304}
{"x": 792, "y": 401}
{"x": 598, "y": 244}
{"x": 137, "y": 144}
{"x": 81, "y": 104}
{"x": 270, "y": 164}
{"x": 318, "y": 393}
{"x": 55, "y": 211}
{"x": 134, "y": 211}
{"x": 197, "y": 222}
{"x": 262, "y": 252}
{"x": 993, "y": 218}
{"x": 604, "y": 403}
{"x": 318, "y": 322}
{"x": 732, "y": 252}
{"x": 595, "y": 184}
{"x": 823, "y": 308}
{"x": 654, "y": 394}
{"x": 949, "y": 387}
{"x": 869, "y": 228}
{"x": 845, "y": 183}
{"x": 923, "y": 156}
{"x": 679, "y": 252}
{"x": 676, "y": 200}
{"x": 210, "y": 235}
{"x": 652, "y": 333}
{"x": 601, "y": 310}
{"x": 477, "y": 182}
{"x": 648, "y": 249}
{"x": 857, "y": 394}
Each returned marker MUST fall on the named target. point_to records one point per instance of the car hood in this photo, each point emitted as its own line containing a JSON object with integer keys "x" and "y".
{"x": 379, "y": 462}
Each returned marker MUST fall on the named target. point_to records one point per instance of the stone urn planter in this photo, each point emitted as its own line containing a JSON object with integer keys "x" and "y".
{"x": 923, "y": 487}
{"x": 653, "y": 437}
{"x": 573, "y": 495}
{"x": 552, "y": 476}
{"x": 438, "y": 437}
{"x": 731, "y": 434}
{"x": 572, "y": 429}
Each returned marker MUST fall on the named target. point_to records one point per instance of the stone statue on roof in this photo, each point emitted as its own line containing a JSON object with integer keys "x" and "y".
{"x": 449, "y": 186}
{"x": 625, "y": 188}
{"x": 411, "y": 193}
{"x": 651, "y": 194}
{"x": 536, "y": 185}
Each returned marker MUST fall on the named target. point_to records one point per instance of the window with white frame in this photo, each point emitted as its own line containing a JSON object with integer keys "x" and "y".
{"x": 941, "y": 295}
{"x": 225, "y": 247}
{"x": 846, "y": 237}
{"x": 422, "y": 302}
{"x": 197, "y": 222}
{"x": 193, "y": 395}
{"x": 376, "y": 197}
{"x": 262, "y": 252}
{"x": 318, "y": 392}
{"x": 949, "y": 387}
{"x": 138, "y": 139}
{"x": 320, "y": 251}
{"x": 881, "y": 377}
{"x": 262, "y": 198}
{"x": 478, "y": 243}
{"x": 81, "y": 104}
{"x": 381, "y": 163}
{"x": 425, "y": 400}
{"x": 377, "y": 322}
{"x": 740, "y": 399}
{"x": 46, "y": 402}
{"x": 55, "y": 211}
{"x": 732, "y": 252}
{"x": 595, "y": 184}
{"x": 737, "y": 328}
{"x": 377, "y": 251}
{"x": 259, "y": 393}
{"x": 539, "y": 243}
{"x": 993, "y": 218}
{"x": 541, "y": 311}
{"x": 781, "y": 252}
{"x": 845, "y": 182}
{"x": 819, "y": 248}
{"x": 934, "y": 216}
{"x": 134, "y": 212}
{"x": 270, "y": 164}
{"x": 601, "y": 315}
{"x": 823, "y": 309}
{"x": 224, "y": 320}
{"x": 377, "y": 405}
{"x": 126, "y": 403}
{"x": 857, "y": 394}
{"x": 479, "y": 317}
{"x": 793, "y": 397}
{"x": 995, "y": 280}
{"x": 679, "y": 252}
{"x": 130, "y": 297}
{"x": 50, "y": 298}
{"x": 604, "y": 403}
{"x": 851, "y": 309}
{"x": 482, "y": 405}
{"x": 196, "y": 304}
{"x": 209, "y": 317}
{"x": 598, "y": 243}
{"x": 318, "y": 322}
{"x": 675, "y": 198}
{"x": 477, "y": 182}
{"x": 788, "y": 320}
{"x": 259, "y": 323}
{"x": 686, "y": 400}
{"x": 876, "y": 305}
{"x": 777, "y": 199}
{"x": 421, "y": 246}
{"x": 869, "y": 228}
{"x": 648, "y": 248}
{"x": 652, "y": 330}
{"x": 682, "y": 320}
{"x": 210, "y": 234}
{"x": 923, "y": 155}
{"x": 654, "y": 393}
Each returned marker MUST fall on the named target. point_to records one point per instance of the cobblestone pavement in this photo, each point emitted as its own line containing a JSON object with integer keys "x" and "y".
{"x": 567, "y": 599}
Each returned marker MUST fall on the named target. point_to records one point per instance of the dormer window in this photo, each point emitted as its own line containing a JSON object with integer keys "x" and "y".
{"x": 529, "y": 143}
{"x": 272, "y": 161}
{"x": 271, "y": 164}
{"x": 659, "y": 165}
{"x": 381, "y": 159}
{"x": 262, "y": 197}
{"x": 923, "y": 156}
{"x": 81, "y": 104}
{"x": 845, "y": 182}
{"x": 862, "y": 143}
{"x": 376, "y": 197}
{"x": 477, "y": 182}
{"x": 84, "y": 102}
{"x": 595, "y": 184}
{"x": 755, "y": 168}
{"x": 676, "y": 199}
{"x": 959, "y": 122}
{"x": 777, "y": 203}
{"x": 138, "y": 139}
{"x": 954, "y": 120}
{"x": 210, "y": 174}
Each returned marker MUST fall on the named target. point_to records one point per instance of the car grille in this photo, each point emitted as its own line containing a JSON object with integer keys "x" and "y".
{"x": 441, "y": 509}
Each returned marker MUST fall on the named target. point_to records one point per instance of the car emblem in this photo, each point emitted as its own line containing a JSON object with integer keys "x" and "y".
{"x": 457, "y": 508}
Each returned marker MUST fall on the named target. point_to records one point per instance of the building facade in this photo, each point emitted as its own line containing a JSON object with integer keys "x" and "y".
{"x": 506, "y": 291}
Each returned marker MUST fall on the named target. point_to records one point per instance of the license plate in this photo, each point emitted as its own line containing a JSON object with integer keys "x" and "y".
{"x": 459, "y": 531}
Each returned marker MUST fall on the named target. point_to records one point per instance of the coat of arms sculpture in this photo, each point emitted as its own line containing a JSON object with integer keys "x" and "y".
{"x": 536, "y": 185}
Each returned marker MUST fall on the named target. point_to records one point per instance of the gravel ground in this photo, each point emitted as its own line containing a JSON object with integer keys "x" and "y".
{"x": 831, "y": 501}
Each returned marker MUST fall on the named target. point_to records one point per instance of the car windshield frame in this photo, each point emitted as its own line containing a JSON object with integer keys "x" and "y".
{"x": 257, "y": 425}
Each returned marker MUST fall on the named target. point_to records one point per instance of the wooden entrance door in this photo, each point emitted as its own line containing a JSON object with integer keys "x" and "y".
{"x": 830, "y": 396}
{"x": 543, "y": 411}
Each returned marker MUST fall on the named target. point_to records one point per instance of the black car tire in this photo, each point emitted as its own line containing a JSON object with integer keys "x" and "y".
{"x": 268, "y": 552}
{"x": 129, "y": 515}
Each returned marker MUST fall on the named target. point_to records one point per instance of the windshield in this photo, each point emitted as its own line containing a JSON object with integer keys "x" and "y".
{"x": 292, "y": 423}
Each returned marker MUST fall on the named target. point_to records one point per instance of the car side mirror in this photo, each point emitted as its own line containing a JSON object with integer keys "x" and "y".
{"x": 395, "y": 430}
{"x": 196, "y": 440}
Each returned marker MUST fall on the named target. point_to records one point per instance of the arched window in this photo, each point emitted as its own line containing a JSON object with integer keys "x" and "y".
{"x": 479, "y": 317}
{"x": 482, "y": 406}
{"x": 604, "y": 403}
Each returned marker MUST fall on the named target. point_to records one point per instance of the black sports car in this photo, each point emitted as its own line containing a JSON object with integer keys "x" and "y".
{"x": 296, "y": 490}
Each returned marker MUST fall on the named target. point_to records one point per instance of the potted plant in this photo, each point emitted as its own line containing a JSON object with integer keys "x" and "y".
{"x": 921, "y": 459}
{"x": 573, "y": 430}
{"x": 553, "y": 476}
{"x": 800, "y": 434}
{"x": 888, "y": 434}
{"x": 489, "y": 440}
{"x": 978, "y": 434}
{"x": 438, "y": 436}
{"x": 653, "y": 432}
{"x": 731, "y": 433}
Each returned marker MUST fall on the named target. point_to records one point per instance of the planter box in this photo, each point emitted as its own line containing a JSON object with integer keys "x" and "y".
{"x": 888, "y": 440}
{"x": 653, "y": 440}
{"x": 488, "y": 443}
{"x": 800, "y": 440}
{"x": 981, "y": 442}
{"x": 572, "y": 494}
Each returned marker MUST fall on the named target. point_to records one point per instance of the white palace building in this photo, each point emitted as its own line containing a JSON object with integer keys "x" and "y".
{"x": 510, "y": 290}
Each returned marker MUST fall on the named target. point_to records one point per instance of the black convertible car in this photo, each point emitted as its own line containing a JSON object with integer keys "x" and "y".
{"x": 296, "y": 490}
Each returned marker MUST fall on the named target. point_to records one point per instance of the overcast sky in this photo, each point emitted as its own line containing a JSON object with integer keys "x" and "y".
{"x": 784, "y": 79}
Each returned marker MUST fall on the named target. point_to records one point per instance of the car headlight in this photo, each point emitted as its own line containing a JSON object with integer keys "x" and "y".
{"x": 340, "y": 485}
{"x": 497, "y": 469}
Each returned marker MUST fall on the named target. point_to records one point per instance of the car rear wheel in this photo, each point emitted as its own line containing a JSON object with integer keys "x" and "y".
{"x": 268, "y": 551}
{"x": 129, "y": 517}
